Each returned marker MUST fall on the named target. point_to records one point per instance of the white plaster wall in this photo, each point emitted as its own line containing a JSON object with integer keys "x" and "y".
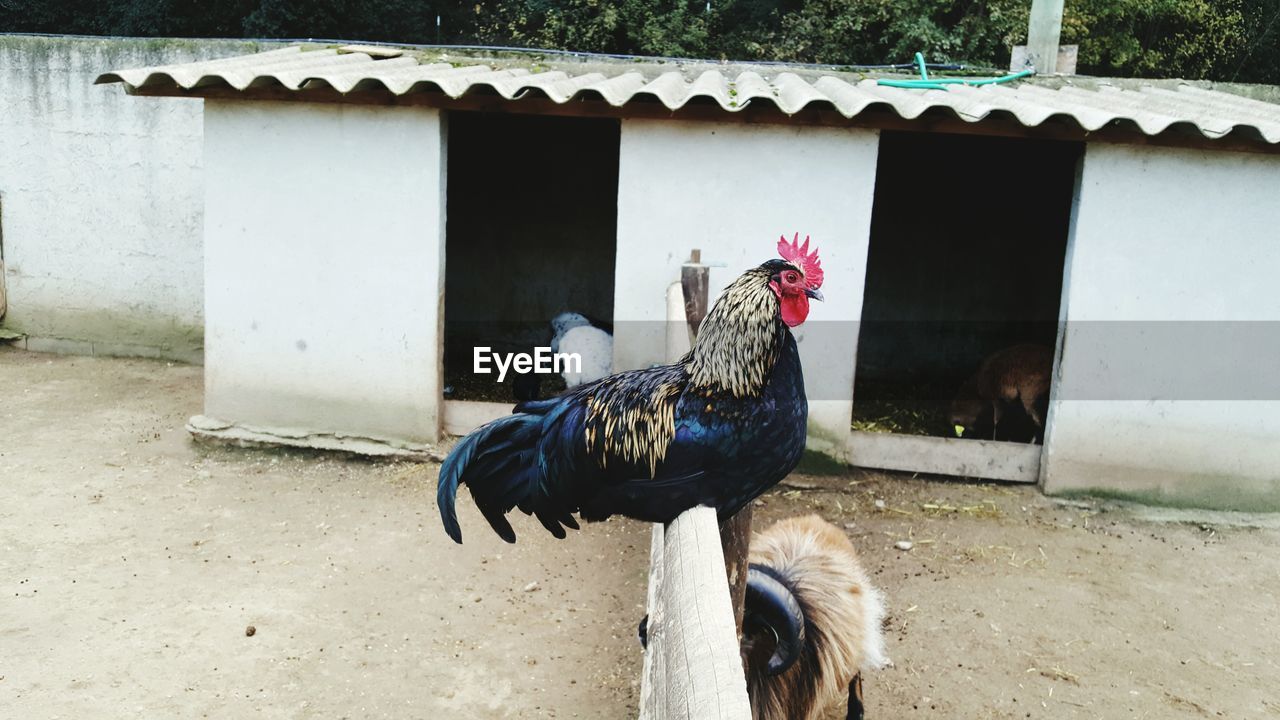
{"x": 324, "y": 259}
{"x": 732, "y": 190}
{"x": 1169, "y": 382}
{"x": 100, "y": 198}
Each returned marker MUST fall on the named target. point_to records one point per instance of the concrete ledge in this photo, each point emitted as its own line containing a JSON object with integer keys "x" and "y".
{"x": 463, "y": 416}
{"x": 208, "y": 429}
{"x": 985, "y": 459}
{"x": 59, "y": 346}
{"x": 1171, "y": 487}
{"x": 68, "y": 346}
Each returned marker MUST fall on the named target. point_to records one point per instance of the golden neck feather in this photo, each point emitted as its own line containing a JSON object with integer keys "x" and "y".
{"x": 739, "y": 341}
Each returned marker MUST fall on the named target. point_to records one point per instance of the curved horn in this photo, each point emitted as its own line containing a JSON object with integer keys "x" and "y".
{"x": 772, "y": 605}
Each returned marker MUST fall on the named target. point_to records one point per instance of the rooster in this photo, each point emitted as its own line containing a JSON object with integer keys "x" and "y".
{"x": 717, "y": 428}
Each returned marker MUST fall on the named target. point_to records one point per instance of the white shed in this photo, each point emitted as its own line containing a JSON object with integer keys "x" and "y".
{"x": 1129, "y": 225}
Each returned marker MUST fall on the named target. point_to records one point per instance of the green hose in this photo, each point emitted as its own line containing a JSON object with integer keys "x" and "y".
{"x": 927, "y": 83}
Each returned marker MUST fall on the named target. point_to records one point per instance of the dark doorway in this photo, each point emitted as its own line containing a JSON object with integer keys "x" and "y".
{"x": 531, "y": 233}
{"x": 968, "y": 240}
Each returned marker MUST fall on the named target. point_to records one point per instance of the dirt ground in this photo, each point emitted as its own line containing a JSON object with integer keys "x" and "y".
{"x": 132, "y": 562}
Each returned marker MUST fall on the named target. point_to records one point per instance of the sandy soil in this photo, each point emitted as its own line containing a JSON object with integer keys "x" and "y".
{"x": 1013, "y": 605}
{"x": 132, "y": 561}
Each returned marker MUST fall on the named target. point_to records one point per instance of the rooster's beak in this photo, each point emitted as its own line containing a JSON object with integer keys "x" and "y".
{"x": 813, "y": 293}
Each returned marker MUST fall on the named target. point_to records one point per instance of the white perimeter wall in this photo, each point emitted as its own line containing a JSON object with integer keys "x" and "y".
{"x": 1171, "y": 235}
{"x": 324, "y": 254}
{"x": 732, "y": 190}
{"x": 100, "y": 198}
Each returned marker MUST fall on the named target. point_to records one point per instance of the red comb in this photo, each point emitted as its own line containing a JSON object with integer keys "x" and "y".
{"x": 799, "y": 255}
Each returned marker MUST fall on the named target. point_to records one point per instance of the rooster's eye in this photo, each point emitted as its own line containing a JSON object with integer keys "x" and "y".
{"x": 792, "y": 277}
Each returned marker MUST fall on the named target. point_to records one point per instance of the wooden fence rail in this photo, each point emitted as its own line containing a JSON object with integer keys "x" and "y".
{"x": 692, "y": 667}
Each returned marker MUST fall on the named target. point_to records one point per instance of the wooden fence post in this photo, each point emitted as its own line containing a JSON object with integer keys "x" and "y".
{"x": 735, "y": 534}
{"x": 693, "y": 667}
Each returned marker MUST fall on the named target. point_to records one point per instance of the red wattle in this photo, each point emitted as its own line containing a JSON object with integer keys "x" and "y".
{"x": 795, "y": 308}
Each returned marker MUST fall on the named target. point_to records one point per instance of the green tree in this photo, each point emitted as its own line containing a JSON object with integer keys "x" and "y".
{"x": 1214, "y": 39}
{"x": 1155, "y": 38}
{"x": 892, "y": 31}
{"x": 405, "y": 21}
{"x": 1259, "y": 58}
{"x": 74, "y": 17}
{"x": 633, "y": 27}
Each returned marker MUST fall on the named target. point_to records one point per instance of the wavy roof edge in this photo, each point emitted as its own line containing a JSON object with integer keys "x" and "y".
{"x": 1151, "y": 106}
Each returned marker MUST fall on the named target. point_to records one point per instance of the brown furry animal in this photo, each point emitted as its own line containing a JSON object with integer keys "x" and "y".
{"x": 813, "y": 621}
{"x": 1019, "y": 373}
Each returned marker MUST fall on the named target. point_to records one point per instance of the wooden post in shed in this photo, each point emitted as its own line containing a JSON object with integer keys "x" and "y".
{"x": 1043, "y": 32}
{"x": 735, "y": 534}
{"x": 694, "y": 281}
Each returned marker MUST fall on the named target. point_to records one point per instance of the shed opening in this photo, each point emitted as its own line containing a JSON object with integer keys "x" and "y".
{"x": 531, "y": 232}
{"x": 966, "y": 258}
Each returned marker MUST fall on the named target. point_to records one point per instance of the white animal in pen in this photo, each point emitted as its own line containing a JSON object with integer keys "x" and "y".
{"x": 562, "y": 324}
{"x": 575, "y": 335}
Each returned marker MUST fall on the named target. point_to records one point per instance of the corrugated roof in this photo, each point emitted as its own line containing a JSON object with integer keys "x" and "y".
{"x": 1093, "y": 104}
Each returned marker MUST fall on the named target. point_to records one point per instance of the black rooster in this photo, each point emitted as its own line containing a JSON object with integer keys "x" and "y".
{"x": 717, "y": 428}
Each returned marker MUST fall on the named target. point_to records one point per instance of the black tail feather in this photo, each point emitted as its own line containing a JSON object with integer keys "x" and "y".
{"x": 498, "y": 521}
{"x": 495, "y": 462}
{"x": 549, "y": 522}
{"x": 450, "y": 476}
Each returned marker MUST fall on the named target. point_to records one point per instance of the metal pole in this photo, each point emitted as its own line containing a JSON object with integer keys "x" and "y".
{"x": 1043, "y": 32}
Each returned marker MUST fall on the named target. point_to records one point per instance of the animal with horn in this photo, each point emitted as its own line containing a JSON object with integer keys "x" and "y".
{"x": 717, "y": 428}
{"x": 811, "y": 624}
